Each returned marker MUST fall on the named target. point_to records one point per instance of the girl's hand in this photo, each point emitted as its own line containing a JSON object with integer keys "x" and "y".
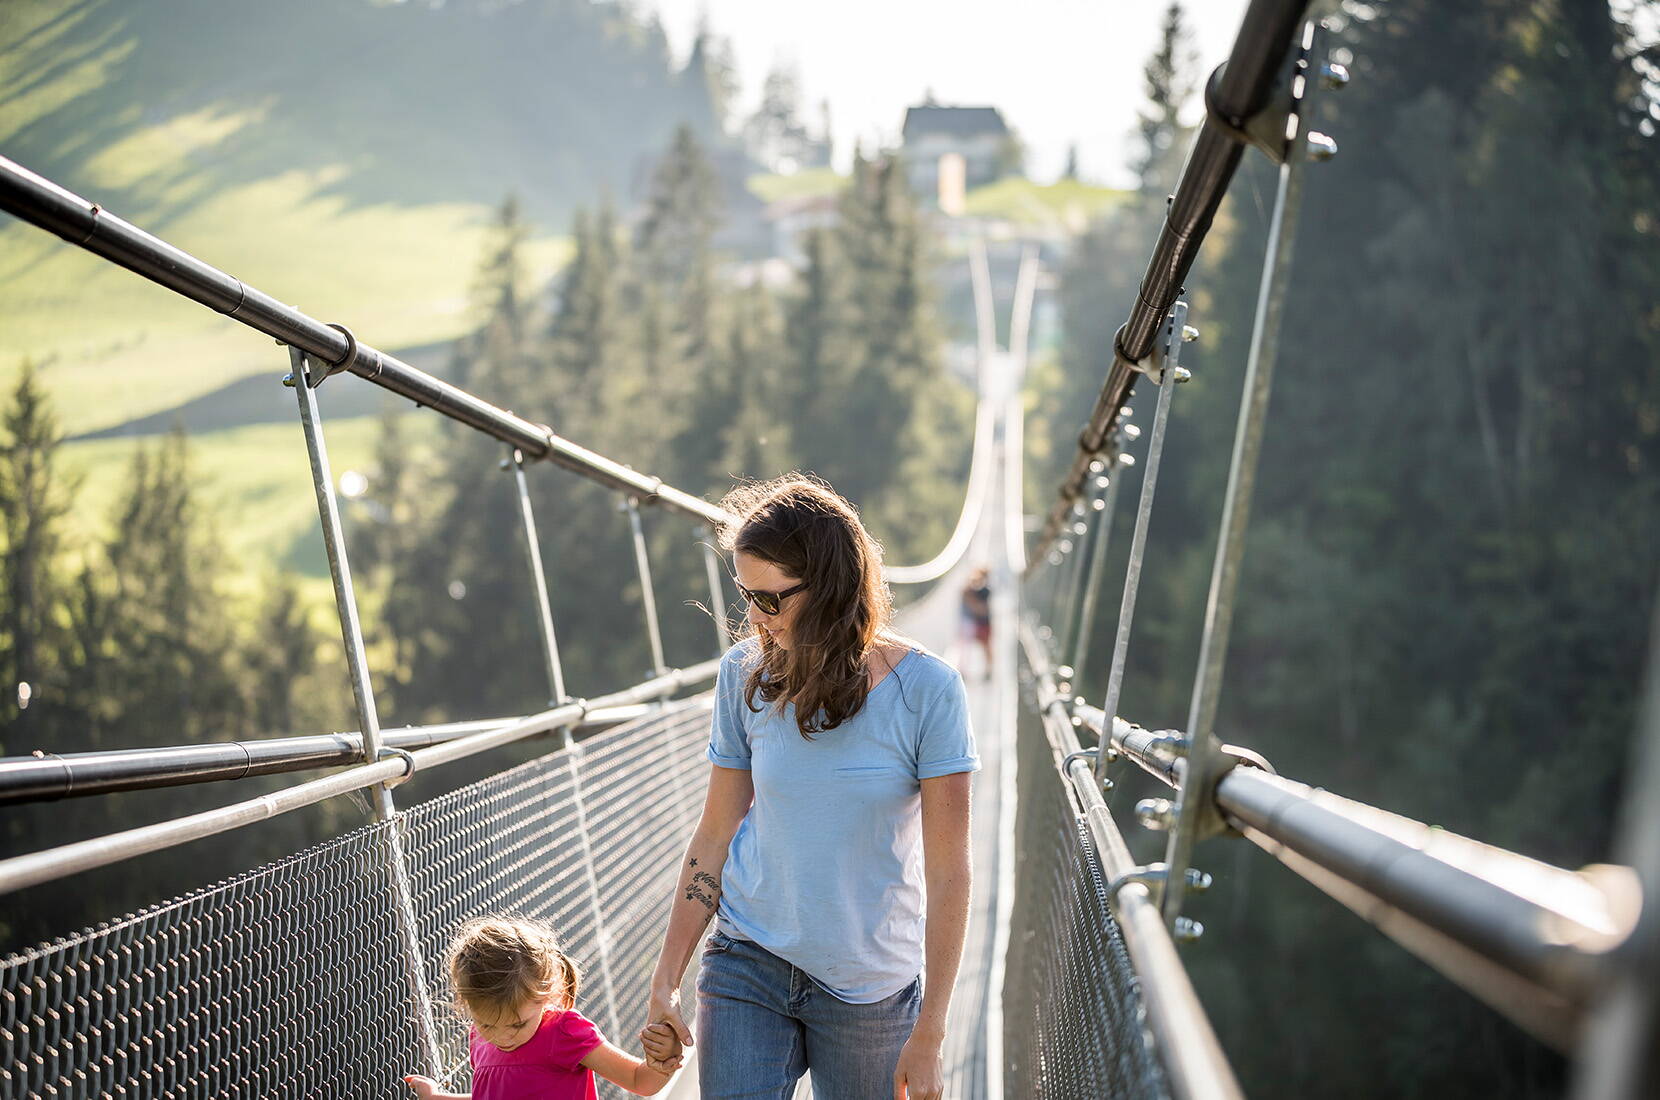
{"x": 425, "y": 1087}
{"x": 662, "y": 1047}
{"x": 921, "y": 1071}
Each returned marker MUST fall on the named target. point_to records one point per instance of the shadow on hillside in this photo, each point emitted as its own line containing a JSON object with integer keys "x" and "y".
{"x": 416, "y": 103}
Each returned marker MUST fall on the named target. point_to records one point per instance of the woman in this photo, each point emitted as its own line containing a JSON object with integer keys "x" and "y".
{"x": 838, "y": 792}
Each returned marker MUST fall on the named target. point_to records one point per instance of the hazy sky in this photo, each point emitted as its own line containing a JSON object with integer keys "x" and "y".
{"x": 1061, "y": 71}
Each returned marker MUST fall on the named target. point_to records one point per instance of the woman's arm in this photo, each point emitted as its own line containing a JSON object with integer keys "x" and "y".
{"x": 620, "y": 1067}
{"x": 949, "y": 873}
{"x": 697, "y": 892}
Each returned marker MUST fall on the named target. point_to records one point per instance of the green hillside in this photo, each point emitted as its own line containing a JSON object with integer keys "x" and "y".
{"x": 1066, "y": 204}
{"x": 338, "y": 154}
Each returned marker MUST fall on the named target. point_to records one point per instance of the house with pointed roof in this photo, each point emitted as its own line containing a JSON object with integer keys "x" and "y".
{"x": 976, "y": 134}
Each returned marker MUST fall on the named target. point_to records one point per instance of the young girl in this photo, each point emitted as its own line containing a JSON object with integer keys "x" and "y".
{"x": 527, "y": 1038}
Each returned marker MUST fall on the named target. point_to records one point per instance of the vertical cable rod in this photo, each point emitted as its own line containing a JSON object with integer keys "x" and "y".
{"x": 357, "y": 663}
{"x": 1169, "y": 374}
{"x": 544, "y": 610}
{"x": 1092, "y": 584}
{"x": 1204, "y": 761}
{"x": 717, "y": 597}
{"x": 647, "y": 595}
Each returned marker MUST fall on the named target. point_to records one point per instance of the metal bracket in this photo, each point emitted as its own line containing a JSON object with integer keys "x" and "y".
{"x": 1152, "y": 876}
{"x": 317, "y": 378}
{"x": 1081, "y": 754}
{"x": 386, "y": 753}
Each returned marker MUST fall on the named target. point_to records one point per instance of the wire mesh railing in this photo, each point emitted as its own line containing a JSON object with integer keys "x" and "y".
{"x": 1074, "y": 1022}
{"x": 289, "y": 979}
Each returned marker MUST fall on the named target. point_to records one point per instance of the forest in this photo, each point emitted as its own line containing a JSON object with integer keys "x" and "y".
{"x": 1451, "y": 572}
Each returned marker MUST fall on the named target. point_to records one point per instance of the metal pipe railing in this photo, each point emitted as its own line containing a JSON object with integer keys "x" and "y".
{"x": 1237, "y": 92}
{"x": 1532, "y": 940}
{"x": 45, "y": 776}
{"x": 43, "y": 203}
{"x": 24, "y": 871}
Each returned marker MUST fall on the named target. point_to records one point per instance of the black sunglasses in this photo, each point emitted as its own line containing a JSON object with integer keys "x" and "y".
{"x": 770, "y": 603}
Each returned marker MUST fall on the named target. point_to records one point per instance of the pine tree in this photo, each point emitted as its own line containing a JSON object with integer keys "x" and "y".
{"x": 171, "y": 629}
{"x": 775, "y": 134}
{"x": 33, "y": 504}
{"x": 824, "y": 350}
{"x": 1170, "y": 80}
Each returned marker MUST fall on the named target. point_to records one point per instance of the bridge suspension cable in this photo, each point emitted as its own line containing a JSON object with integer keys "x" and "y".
{"x": 988, "y": 380}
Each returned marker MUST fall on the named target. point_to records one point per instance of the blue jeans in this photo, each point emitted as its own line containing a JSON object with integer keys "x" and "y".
{"x": 762, "y": 1023}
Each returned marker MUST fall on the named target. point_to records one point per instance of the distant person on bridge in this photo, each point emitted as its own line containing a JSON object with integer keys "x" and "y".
{"x": 838, "y": 795}
{"x": 977, "y": 614}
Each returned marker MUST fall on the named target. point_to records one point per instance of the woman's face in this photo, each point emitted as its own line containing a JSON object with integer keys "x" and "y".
{"x": 760, "y": 575}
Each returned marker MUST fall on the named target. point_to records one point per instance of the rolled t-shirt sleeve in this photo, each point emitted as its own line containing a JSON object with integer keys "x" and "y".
{"x": 945, "y": 743}
{"x": 728, "y": 740}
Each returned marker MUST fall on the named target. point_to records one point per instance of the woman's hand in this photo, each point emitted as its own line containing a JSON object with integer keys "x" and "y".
{"x": 921, "y": 1071}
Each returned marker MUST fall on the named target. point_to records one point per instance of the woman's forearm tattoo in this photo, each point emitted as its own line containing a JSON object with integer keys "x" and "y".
{"x": 704, "y": 887}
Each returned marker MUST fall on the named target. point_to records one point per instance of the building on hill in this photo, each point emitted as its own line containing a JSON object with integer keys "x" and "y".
{"x": 933, "y": 132}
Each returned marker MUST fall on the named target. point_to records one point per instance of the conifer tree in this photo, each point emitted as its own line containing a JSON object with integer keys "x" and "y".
{"x": 1169, "y": 79}
{"x": 33, "y": 504}
{"x": 171, "y": 627}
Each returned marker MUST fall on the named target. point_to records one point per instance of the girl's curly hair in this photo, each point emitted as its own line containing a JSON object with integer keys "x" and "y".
{"x": 505, "y": 961}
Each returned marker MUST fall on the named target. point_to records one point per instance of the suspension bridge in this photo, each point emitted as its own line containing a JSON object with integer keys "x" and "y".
{"x": 319, "y": 973}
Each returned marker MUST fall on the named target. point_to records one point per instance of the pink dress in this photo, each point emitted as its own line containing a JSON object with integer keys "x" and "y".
{"x": 548, "y": 1067}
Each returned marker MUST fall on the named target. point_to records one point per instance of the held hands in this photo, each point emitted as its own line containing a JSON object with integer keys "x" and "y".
{"x": 663, "y": 1047}
{"x": 667, "y": 1035}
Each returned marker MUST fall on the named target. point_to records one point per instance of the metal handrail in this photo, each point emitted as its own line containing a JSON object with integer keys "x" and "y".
{"x": 34, "y": 868}
{"x": 1237, "y": 92}
{"x": 39, "y": 201}
{"x": 1182, "y": 1032}
{"x": 1532, "y": 940}
{"x": 46, "y": 776}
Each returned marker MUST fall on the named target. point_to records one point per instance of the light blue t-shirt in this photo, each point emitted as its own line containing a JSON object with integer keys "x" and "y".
{"x": 825, "y": 871}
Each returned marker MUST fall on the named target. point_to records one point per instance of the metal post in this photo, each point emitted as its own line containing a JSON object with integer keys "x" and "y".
{"x": 334, "y": 544}
{"x": 357, "y": 663}
{"x": 1204, "y": 760}
{"x": 544, "y": 611}
{"x": 1170, "y": 374}
{"x": 647, "y": 595}
{"x": 1092, "y": 585}
{"x": 1083, "y": 536}
{"x": 717, "y": 598}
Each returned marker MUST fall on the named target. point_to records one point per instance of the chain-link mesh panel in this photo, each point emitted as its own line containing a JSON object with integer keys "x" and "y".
{"x": 585, "y": 839}
{"x": 288, "y": 980}
{"x": 293, "y": 979}
{"x": 1073, "y": 1017}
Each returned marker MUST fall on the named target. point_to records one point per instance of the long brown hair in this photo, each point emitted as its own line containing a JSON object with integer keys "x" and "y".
{"x": 805, "y": 528}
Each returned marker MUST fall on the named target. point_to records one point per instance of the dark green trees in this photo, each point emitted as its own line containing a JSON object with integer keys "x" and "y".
{"x": 1451, "y": 569}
